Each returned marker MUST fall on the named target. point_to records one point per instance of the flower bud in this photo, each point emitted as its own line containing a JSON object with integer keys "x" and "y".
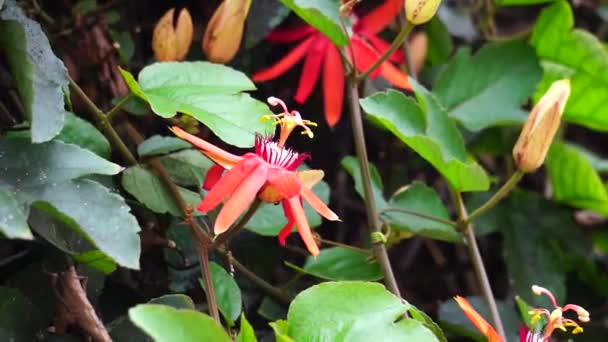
{"x": 420, "y": 11}
{"x": 540, "y": 128}
{"x": 171, "y": 40}
{"x": 225, "y": 29}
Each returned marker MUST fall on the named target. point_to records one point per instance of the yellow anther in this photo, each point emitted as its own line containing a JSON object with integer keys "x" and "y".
{"x": 577, "y": 330}
{"x": 535, "y": 318}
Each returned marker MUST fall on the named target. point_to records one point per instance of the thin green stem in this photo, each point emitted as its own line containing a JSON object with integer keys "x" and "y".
{"x": 425, "y": 216}
{"x": 104, "y": 124}
{"x": 272, "y": 291}
{"x": 114, "y": 111}
{"x": 498, "y": 196}
{"x": 477, "y": 261}
{"x": 406, "y": 50}
{"x": 397, "y": 43}
{"x": 238, "y": 226}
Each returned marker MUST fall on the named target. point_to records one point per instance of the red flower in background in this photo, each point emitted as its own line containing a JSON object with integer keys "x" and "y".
{"x": 321, "y": 56}
{"x": 269, "y": 173}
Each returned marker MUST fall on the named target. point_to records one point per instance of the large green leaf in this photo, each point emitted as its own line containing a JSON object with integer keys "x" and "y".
{"x": 417, "y": 197}
{"x": 227, "y": 293}
{"x": 352, "y": 311}
{"x": 246, "y": 334}
{"x": 578, "y": 55}
{"x": 19, "y": 318}
{"x": 98, "y": 214}
{"x": 339, "y": 263}
{"x": 166, "y": 324}
{"x": 157, "y": 144}
{"x": 45, "y": 175}
{"x": 13, "y": 222}
{"x": 440, "y": 42}
{"x": 573, "y": 179}
{"x": 187, "y": 167}
{"x": 270, "y": 219}
{"x": 211, "y": 93}
{"x": 426, "y": 128}
{"x": 323, "y": 15}
{"x": 40, "y": 76}
{"x": 80, "y": 132}
{"x": 149, "y": 190}
{"x": 499, "y": 77}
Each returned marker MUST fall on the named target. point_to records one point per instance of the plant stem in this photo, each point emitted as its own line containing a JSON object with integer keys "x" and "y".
{"x": 114, "y": 111}
{"x": 203, "y": 242}
{"x": 104, "y": 124}
{"x": 406, "y": 49}
{"x": 237, "y": 227}
{"x": 480, "y": 271}
{"x": 422, "y": 215}
{"x": 499, "y": 195}
{"x": 397, "y": 43}
{"x": 272, "y": 291}
{"x": 370, "y": 204}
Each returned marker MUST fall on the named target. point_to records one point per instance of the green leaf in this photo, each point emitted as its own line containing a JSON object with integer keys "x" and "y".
{"x": 600, "y": 164}
{"x": 426, "y": 128}
{"x": 19, "y": 319}
{"x": 122, "y": 329}
{"x": 339, "y": 263}
{"x": 187, "y": 167}
{"x": 440, "y": 42}
{"x": 269, "y": 219}
{"x": 575, "y": 54}
{"x": 264, "y": 16}
{"x": 13, "y": 222}
{"x": 166, "y": 324}
{"x": 39, "y": 75}
{"x": 100, "y": 216}
{"x": 149, "y": 190}
{"x": 524, "y": 311}
{"x": 227, "y": 293}
{"x": 450, "y": 312}
{"x": 585, "y": 190}
{"x": 157, "y": 144}
{"x": 495, "y": 90}
{"x": 351, "y": 165}
{"x": 80, "y": 132}
{"x": 126, "y": 46}
{"x": 281, "y": 329}
{"x": 521, "y": 2}
{"x": 420, "y": 198}
{"x": 321, "y": 14}
{"x": 423, "y": 318}
{"x": 96, "y": 259}
{"x": 209, "y": 92}
{"x": 333, "y": 311}
{"x": 246, "y": 334}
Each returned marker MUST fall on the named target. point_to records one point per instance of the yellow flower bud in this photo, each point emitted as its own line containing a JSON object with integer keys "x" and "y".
{"x": 223, "y": 35}
{"x": 420, "y": 11}
{"x": 171, "y": 40}
{"x": 540, "y": 128}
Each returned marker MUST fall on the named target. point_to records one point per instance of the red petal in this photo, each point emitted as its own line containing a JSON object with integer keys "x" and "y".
{"x": 479, "y": 322}
{"x": 287, "y": 183}
{"x": 333, "y": 85}
{"x": 318, "y": 205}
{"x": 376, "y": 20}
{"x": 241, "y": 198}
{"x": 311, "y": 69}
{"x": 381, "y": 45}
{"x": 284, "y": 63}
{"x": 213, "y": 176}
{"x": 365, "y": 55}
{"x": 395, "y": 76}
{"x": 227, "y": 184}
{"x": 302, "y": 224}
{"x": 286, "y": 230}
{"x": 290, "y": 35}
{"x": 226, "y": 159}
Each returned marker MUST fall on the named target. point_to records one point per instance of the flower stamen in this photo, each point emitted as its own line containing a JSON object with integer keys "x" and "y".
{"x": 288, "y": 121}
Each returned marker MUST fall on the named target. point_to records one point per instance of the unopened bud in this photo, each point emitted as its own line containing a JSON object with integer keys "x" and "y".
{"x": 540, "y": 128}
{"x": 225, "y": 29}
{"x": 171, "y": 40}
{"x": 420, "y": 11}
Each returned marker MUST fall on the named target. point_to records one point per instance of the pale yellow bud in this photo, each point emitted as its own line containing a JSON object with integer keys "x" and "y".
{"x": 223, "y": 35}
{"x": 540, "y": 128}
{"x": 171, "y": 40}
{"x": 420, "y": 11}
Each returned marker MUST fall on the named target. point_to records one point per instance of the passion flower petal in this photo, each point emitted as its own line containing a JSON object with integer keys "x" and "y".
{"x": 303, "y": 228}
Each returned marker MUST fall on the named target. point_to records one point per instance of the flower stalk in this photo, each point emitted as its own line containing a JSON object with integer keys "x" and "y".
{"x": 498, "y": 196}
